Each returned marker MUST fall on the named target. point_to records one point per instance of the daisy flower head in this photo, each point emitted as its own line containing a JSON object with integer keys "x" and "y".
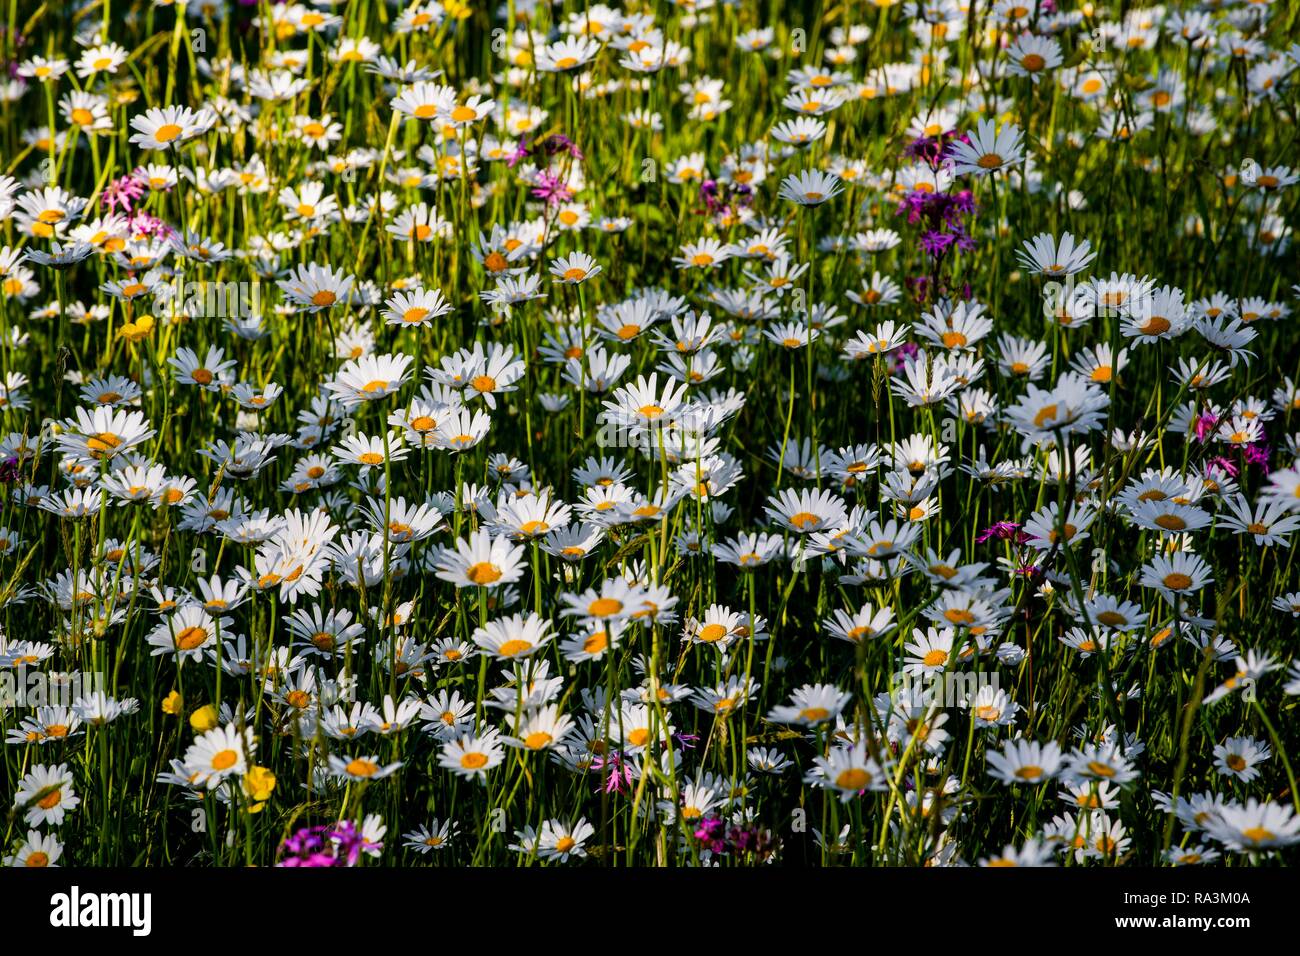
{"x": 811, "y": 187}
{"x": 482, "y": 561}
{"x": 1046, "y": 255}
{"x": 1176, "y": 575}
{"x": 104, "y": 432}
{"x": 574, "y": 268}
{"x": 369, "y": 378}
{"x": 311, "y": 287}
{"x": 45, "y": 795}
{"x": 848, "y": 770}
{"x": 1025, "y": 762}
{"x": 36, "y": 851}
{"x": 1032, "y": 853}
{"x": 425, "y": 101}
{"x": 1240, "y": 757}
{"x": 361, "y": 769}
{"x": 989, "y": 149}
{"x": 1254, "y": 827}
{"x": 219, "y": 754}
{"x": 1033, "y": 56}
{"x": 473, "y": 755}
{"x": 566, "y": 55}
{"x": 169, "y": 127}
{"x": 514, "y": 636}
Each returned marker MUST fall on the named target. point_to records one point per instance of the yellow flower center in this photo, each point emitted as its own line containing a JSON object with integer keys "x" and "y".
{"x": 855, "y": 778}
{"x": 190, "y": 638}
{"x": 1258, "y": 835}
{"x": 224, "y": 759}
{"x": 604, "y": 607}
{"x": 712, "y": 633}
{"x": 483, "y": 573}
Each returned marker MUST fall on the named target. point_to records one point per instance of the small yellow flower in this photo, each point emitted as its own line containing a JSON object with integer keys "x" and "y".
{"x": 204, "y": 719}
{"x": 259, "y": 782}
{"x": 172, "y": 703}
{"x": 138, "y": 330}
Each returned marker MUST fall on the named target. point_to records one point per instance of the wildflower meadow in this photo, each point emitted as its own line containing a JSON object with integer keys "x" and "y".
{"x": 681, "y": 434}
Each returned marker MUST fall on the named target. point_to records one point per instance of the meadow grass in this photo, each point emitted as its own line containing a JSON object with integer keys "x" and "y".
{"x": 670, "y": 435}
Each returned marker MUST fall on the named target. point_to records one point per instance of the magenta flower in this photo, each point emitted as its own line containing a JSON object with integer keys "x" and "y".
{"x": 307, "y": 847}
{"x": 1205, "y": 426}
{"x": 144, "y": 224}
{"x": 338, "y": 844}
{"x": 719, "y": 197}
{"x": 551, "y": 188}
{"x": 714, "y": 833}
{"x": 896, "y": 359}
{"x": 1258, "y": 454}
{"x": 936, "y": 243}
{"x": 1226, "y": 464}
{"x": 941, "y": 217}
{"x": 618, "y": 776}
{"x": 711, "y": 831}
{"x": 1003, "y": 531}
{"x": 559, "y": 143}
{"x": 123, "y": 192}
{"x": 551, "y": 145}
{"x": 520, "y": 153}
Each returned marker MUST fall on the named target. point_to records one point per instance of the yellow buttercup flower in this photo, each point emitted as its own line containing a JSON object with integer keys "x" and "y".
{"x": 138, "y": 330}
{"x": 172, "y": 703}
{"x": 204, "y": 719}
{"x": 259, "y": 783}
